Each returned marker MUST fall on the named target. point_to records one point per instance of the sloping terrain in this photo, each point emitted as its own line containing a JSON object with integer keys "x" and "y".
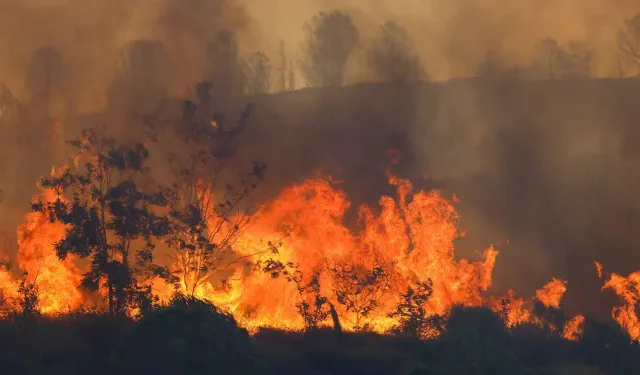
{"x": 545, "y": 170}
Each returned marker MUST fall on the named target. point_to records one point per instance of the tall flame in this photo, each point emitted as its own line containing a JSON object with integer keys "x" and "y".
{"x": 628, "y": 289}
{"x": 57, "y": 280}
{"x": 412, "y": 238}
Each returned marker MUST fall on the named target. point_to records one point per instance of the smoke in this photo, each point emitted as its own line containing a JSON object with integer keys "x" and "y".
{"x": 545, "y": 170}
{"x": 451, "y": 37}
{"x": 545, "y": 167}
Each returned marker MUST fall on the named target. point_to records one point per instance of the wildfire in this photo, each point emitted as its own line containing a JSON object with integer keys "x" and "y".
{"x": 551, "y": 294}
{"x": 573, "y": 328}
{"x": 628, "y": 289}
{"x": 599, "y": 269}
{"x": 411, "y": 239}
{"x": 361, "y": 272}
{"x": 56, "y": 280}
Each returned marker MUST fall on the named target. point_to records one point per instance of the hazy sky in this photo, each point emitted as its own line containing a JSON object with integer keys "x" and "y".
{"x": 451, "y": 36}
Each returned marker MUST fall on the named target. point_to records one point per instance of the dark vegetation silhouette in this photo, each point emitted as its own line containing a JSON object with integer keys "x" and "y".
{"x": 224, "y": 68}
{"x": 392, "y": 55}
{"x": 117, "y": 213}
{"x": 208, "y": 211}
{"x": 331, "y": 38}
{"x": 571, "y": 61}
{"x": 629, "y": 44}
{"x": 258, "y": 73}
{"x": 110, "y": 218}
{"x": 140, "y": 81}
{"x": 44, "y": 81}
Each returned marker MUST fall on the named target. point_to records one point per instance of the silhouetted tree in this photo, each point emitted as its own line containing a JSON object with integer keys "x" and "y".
{"x": 9, "y": 112}
{"x": 224, "y": 68}
{"x": 392, "y": 55}
{"x": 9, "y": 107}
{"x": 210, "y": 208}
{"x": 283, "y": 67}
{"x": 292, "y": 76}
{"x": 313, "y": 307}
{"x": 28, "y": 296}
{"x": 413, "y": 318}
{"x": 552, "y": 318}
{"x": 141, "y": 79}
{"x": 359, "y": 289}
{"x": 330, "y": 39}
{"x": 44, "y": 81}
{"x": 110, "y": 219}
{"x": 493, "y": 67}
{"x": 629, "y": 43}
{"x": 571, "y": 61}
{"x": 258, "y": 75}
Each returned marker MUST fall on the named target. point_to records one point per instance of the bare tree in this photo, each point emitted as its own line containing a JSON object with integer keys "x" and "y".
{"x": 412, "y": 315}
{"x": 313, "y": 307}
{"x": 283, "y": 67}
{"x": 45, "y": 81}
{"x": 494, "y": 67}
{"x": 573, "y": 60}
{"x": 392, "y": 55}
{"x": 9, "y": 106}
{"x": 141, "y": 80}
{"x": 208, "y": 209}
{"x": 330, "y": 39}
{"x": 258, "y": 73}
{"x": 629, "y": 43}
{"x": 292, "y": 76}
{"x": 359, "y": 289}
{"x": 224, "y": 68}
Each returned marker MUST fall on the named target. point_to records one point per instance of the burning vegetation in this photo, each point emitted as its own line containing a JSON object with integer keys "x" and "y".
{"x": 147, "y": 252}
{"x": 289, "y": 264}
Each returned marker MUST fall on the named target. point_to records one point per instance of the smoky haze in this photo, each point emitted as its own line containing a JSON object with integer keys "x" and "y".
{"x": 545, "y": 169}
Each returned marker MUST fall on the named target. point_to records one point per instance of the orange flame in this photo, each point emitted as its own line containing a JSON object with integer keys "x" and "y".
{"x": 599, "y": 269}
{"x": 628, "y": 289}
{"x": 57, "y": 280}
{"x": 573, "y": 328}
{"x": 409, "y": 237}
{"x": 551, "y": 294}
{"x": 412, "y": 238}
